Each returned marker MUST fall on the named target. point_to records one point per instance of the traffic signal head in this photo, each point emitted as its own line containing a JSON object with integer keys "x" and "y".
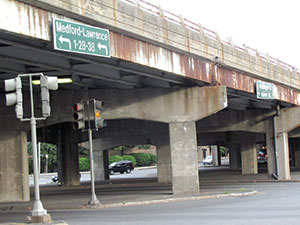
{"x": 47, "y": 83}
{"x": 78, "y": 116}
{"x": 16, "y": 97}
{"x": 99, "y": 121}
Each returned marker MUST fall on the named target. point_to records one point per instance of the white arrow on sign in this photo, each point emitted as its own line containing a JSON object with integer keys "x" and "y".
{"x": 62, "y": 40}
{"x": 103, "y": 46}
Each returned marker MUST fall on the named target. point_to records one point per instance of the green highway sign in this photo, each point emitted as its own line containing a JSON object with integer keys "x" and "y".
{"x": 80, "y": 38}
{"x": 264, "y": 90}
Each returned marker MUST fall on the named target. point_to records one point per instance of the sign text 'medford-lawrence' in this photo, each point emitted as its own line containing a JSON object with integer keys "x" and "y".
{"x": 74, "y": 37}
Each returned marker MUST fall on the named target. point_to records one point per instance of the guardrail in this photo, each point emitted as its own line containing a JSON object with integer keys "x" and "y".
{"x": 178, "y": 19}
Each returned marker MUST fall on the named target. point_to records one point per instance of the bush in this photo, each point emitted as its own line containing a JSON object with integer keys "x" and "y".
{"x": 153, "y": 159}
{"x": 115, "y": 158}
{"x": 142, "y": 159}
{"x": 84, "y": 164}
{"x": 222, "y": 151}
{"x": 131, "y": 158}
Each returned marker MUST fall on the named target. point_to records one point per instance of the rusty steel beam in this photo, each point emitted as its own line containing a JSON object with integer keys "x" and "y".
{"x": 161, "y": 54}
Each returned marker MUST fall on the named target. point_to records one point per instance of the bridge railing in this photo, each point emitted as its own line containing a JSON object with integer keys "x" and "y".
{"x": 178, "y": 19}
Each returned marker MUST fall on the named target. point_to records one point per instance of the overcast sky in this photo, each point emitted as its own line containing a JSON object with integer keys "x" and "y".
{"x": 271, "y": 26}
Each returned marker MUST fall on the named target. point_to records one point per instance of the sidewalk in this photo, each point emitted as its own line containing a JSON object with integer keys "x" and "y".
{"x": 224, "y": 174}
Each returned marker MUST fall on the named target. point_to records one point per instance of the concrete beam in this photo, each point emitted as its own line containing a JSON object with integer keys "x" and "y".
{"x": 236, "y": 120}
{"x": 288, "y": 120}
{"x": 101, "y": 144}
{"x": 164, "y": 105}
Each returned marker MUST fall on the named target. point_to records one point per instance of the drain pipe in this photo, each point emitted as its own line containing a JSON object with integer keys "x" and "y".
{"x": 275, "y": 175}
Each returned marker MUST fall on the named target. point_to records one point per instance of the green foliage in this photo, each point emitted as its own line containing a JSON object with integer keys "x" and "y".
{"x": 120, "y": 148}
{"x": 84, "y": 164}
{"x": 131, "y": 158}
{"x": 115, "y": 158}
{"x": 222, "y": 151}
{"x": 46, "y": 149}
{"x": 144, "y": 146}
{"x": 153, "y": 159}
{"x": 142, "y": 159}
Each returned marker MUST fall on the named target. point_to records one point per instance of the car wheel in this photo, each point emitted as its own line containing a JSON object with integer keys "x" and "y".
{"x": 111, "y": 172}
{"x": 128, "y": 170}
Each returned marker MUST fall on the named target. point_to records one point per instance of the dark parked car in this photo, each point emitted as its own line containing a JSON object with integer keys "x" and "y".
{"x": 121, "y": 167}
{"x": 54, "y": 178}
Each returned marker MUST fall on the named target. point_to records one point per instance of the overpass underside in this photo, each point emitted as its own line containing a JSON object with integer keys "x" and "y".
{"x": 167, "y": 86}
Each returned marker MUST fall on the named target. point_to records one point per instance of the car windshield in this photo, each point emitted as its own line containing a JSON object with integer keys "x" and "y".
{"x": 113, "y": 164}
{"x": 209, "y": 157}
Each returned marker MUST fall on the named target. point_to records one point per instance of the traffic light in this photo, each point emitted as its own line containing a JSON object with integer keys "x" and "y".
{"x": 16, "y": 97}
{"x": 47, "y": 83}
{"x": 99, "y": 121}
{"x": 78, "y": 115}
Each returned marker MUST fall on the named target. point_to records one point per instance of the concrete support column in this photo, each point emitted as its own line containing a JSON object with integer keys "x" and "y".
{"x": 183, "y": 143}
{"x": 271, "y": 148}
{"x": 249, "y": 157}
{"x": 235, "y": 156}
{"x": 283, "y": 160}
{"x": 14, "y": 180}
{"x": 71, "y": 174}
{"x": 59, "y": 157}
{"x": 292, "y": 151}
{"x": 297, "y": 153}
{"x": 164, "y": 173}
{"x": 99, "y": 165}
{"x": 99, "y": 158}
{"x": 215, "y": 155}
{"x": 219, "y": 156}
{"x": 105, "y": 164}
{"x": 68, "y": 148}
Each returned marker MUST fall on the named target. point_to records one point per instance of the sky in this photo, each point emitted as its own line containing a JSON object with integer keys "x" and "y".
{"x": 270, "y": 26}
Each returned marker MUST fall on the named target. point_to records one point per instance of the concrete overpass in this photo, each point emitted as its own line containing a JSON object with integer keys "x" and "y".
{"x": 168, "y": 82}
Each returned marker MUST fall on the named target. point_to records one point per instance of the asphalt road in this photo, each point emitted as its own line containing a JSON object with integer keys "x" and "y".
{"x": 276, "y": 204}
{"x": 45, "y": 179}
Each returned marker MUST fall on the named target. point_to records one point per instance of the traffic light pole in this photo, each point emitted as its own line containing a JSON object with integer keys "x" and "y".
{"x": 38, "y": 209}
{"x": 94, "y": 200}
{"x": 88, "y": 111}
{"x": 39, "y": 214}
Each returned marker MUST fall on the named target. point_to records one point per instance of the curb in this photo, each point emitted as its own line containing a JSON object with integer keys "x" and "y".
{"x": 52, "y": 223}
{"x": 140, "y": 203}
{"x": 246, "y": 181}
{"x": 169, "y": 200}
